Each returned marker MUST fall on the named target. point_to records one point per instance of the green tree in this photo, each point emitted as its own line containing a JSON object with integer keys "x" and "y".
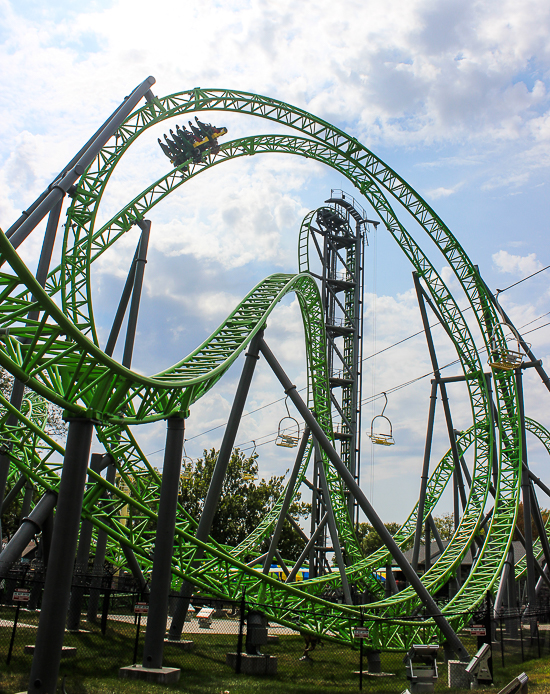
{"x": 369, "y": 539}
{"x": 243, "y": 502}
{"x": 445, "y": 524}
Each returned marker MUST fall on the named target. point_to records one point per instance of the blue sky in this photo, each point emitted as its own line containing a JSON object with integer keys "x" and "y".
{"x": 452, "y": 95}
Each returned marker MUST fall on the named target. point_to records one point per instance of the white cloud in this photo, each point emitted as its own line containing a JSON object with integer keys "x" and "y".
{"x": 516, "y": 264}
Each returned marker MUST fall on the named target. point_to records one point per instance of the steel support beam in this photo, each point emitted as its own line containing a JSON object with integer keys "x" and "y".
{"x": 141, "y": 261}
{"x": 97, "y": 463}
{"x": 100, "y": 549}
{"x": 286, "y": 501}
{"x": 424, "y": 477}
{"x": 60, "y": 186}
{"x": 216, "y": 483}
{"x": 27, "y": 530}
{"x": 387, "y": 539}
{"x": 55, "y": 601}
{"x": 161, "y": 577}
{"x": 526, "y": 497}
{"x": 305, "y": 553}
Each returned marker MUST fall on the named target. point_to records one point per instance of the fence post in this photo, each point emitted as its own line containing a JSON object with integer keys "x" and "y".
{"x": 521, "y": 639}
{"x": 501, "y": 643}
{"x": 105, "y": 610}
{"x": 240, "y": 639}
{"x": 361, "y": 657}
{"x": 15, "y": 620}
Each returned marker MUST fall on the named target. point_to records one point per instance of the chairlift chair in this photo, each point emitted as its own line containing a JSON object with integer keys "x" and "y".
{"x": 187, "y": 466}
{"x": 283, "y": 439}
{"x": 504, "y": 358}
{"x": 249, "y": 476}
{"x": 378, "y": 437}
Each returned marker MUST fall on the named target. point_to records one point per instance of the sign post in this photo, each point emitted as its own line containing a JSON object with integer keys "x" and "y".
{"x": 139, "y": 609}
{"x": 361, "y": 632}
{"x": 20, "y": 595}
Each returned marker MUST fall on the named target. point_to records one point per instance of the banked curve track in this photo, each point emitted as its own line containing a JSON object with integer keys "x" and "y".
{"x": 59, "y": 357}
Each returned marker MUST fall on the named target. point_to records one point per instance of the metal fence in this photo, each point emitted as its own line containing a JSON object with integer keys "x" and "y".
{"x": 110, "y": 626}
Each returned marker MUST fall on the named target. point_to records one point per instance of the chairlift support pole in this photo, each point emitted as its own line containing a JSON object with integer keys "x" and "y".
{"x": 386, "y": 537}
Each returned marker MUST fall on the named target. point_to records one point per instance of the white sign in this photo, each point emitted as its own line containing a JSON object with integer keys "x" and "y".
{"x": 21, "y": 595}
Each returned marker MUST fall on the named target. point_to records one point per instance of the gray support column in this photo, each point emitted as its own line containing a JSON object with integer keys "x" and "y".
{"x": 376, "y": 522}
{"x": 286, "y": 501}
{"x": 424, "y": 477}
{"x": 61, "y": 185}
{"x": 47, "y": 534}
{"x": 311, "y": 543}
{"x": 27, "y": 500}
{"x": 141, "y": 260}
{"x": 539, "y": 522}
{"x": 99, "y": 558}
{"x": 333, "y": 529}
{"x": 218, "y": 476}
{"x": 97, "y": 463}
{"x": 428, "y": 547}
{"x": 314, "y": 519}
{"x": 51, "y": 627}
{"x": 13, "y": 493}
{"x": 390, "y": 578}
{"x": 122, "y": 306}
{"x": 27, "y": 530}
{"x": 501, "y": 596}
{"x": 164, "y": 545}
{"x": 526, "y": 497}
{"x": 435, "y": 533}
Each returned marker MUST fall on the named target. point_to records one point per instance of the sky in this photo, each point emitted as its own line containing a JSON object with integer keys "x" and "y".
{"x": 454, "y": 96}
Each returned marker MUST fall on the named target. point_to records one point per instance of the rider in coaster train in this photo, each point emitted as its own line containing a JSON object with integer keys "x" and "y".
{"x": 199, "y": 137}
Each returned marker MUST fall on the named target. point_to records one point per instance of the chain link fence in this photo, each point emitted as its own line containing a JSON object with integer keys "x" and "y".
{"x": 108, "y": 619}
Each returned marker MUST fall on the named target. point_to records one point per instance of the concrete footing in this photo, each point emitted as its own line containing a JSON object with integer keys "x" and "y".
{"x": 253, "y": 664}
{"x": 66, "y": 651}
{"x": 182, "y": 645}
{"x": 161, "y": 675}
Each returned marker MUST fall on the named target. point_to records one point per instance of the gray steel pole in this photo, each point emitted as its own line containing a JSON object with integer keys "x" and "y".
{"x": 13, "y": 493}
{"x": 59, "y": 188}
{"x": 424, "y": 477}
{"x": 218, "y": 476}
{"x": 97, "y": 463}
{"x": 164, "y": 545}
{"x": 27, "y": 500}
{"x": 72, "y": 163}
{"x": 99, "y": 558}
{"x": 51, "y": 627}
{"x": 526, "y": 497}
{"x": 311, "y": 542}
{"x": 27, "y": 530}
{"x": 286, "y": 501}
{"x": 122, "y": 306}
{"x": 141, "y": 260}
{"x": 368, "y": 510}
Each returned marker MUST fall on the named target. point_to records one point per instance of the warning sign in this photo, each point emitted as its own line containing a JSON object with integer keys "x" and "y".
{"x": 21, "y": 595}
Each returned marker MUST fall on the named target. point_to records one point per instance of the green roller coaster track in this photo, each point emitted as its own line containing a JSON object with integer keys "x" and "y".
{"x": 58, "y": 356}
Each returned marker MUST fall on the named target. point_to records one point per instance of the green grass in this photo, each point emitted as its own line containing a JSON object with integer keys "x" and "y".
{"x": 203, "y": 671}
